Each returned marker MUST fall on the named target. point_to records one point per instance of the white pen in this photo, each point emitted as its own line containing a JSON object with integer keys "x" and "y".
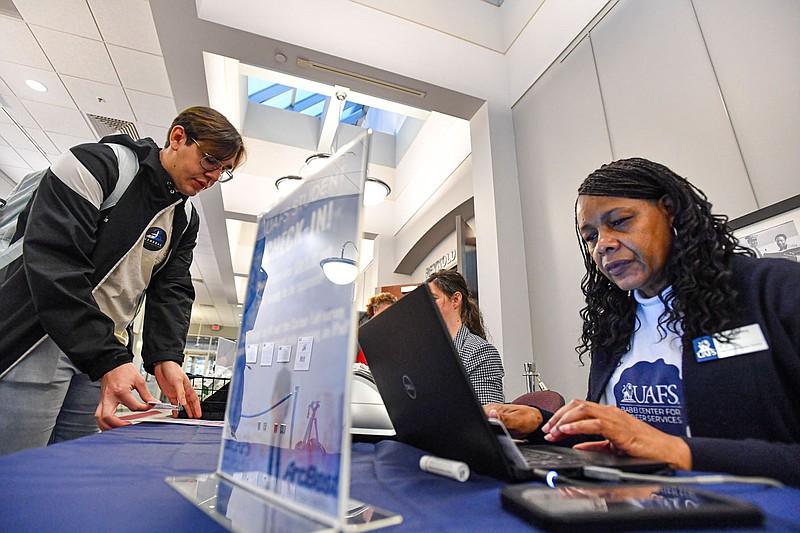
{"x": 444, "y": 467}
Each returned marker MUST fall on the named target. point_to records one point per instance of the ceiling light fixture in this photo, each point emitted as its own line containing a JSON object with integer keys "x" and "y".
{"x": 36, "y": 86}
{"x": 340, "y": 270}
{"x": 375, "y": 191}
{"x": 313, "y": 163}
{"x": 287, "y": 184}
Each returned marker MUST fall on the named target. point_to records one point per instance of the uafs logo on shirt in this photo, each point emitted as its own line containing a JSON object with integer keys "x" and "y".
{"x": 154, "y": 239}
{"x": 652, "y": 392}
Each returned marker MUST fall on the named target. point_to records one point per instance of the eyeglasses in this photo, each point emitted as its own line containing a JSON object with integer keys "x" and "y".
{"x": 211, "y": 164}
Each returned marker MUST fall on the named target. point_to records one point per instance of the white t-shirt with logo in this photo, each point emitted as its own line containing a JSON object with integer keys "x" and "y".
{"x": 647, "y": 382}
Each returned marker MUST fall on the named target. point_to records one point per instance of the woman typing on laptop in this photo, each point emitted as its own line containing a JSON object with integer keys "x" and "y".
{"x": 694, "y": 343}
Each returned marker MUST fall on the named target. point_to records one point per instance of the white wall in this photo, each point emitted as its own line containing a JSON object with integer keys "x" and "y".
{"x": 755, "y": 47}
{"x": 499, "y": 233}
{"x": 560, "y": 134}
{"x": 709, "y": 88}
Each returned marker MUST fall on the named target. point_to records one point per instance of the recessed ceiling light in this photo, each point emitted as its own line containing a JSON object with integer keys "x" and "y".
{"x": 36, "y": 86}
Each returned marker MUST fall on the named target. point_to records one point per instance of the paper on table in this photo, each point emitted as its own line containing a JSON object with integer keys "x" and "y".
{"x": 165, "y": 417}
{"x": 141, "y": 416}
{"x": 188, "y": 421}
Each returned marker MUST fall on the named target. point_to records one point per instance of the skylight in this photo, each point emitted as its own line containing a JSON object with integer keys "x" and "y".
{"x": 298, "y": 100}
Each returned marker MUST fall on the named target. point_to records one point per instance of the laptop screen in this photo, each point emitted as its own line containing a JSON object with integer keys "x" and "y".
{"x": 433, "y": 407}
{"x": 424, "y": 385}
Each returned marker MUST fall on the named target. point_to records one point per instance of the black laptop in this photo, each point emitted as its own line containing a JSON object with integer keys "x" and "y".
{"x": 433, "y": 407}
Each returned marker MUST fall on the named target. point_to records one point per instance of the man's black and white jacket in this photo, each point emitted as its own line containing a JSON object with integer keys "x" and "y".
{"x": 74, "y": 252}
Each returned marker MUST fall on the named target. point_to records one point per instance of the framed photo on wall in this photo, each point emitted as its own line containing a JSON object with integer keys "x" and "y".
{"x": 773, "y": 231}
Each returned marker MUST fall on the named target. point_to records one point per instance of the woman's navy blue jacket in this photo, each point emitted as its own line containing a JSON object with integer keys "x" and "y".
{"x": 744, "y": 411}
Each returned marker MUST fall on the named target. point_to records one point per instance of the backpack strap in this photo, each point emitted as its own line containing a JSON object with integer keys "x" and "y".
{"x": 19, "y": 198}
{"x": 9, "y": 214}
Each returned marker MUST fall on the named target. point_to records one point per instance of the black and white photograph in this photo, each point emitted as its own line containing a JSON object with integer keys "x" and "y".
{"x": 771, "y": 231}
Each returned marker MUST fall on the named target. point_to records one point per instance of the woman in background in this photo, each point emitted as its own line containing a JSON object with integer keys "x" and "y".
{"x": 694, "y": 343}
{"x": 376, "y": 305}
{"x": 464, "y": 321}
{"x": 380, "y": 303}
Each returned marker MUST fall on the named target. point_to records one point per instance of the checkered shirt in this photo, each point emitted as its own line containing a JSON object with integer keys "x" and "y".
{"x": 482, "y": 362}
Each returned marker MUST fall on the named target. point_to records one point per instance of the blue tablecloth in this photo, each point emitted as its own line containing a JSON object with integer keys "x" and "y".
{"x": 114, "y": 481}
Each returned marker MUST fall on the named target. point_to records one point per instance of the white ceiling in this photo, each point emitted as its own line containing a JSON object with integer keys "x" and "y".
{"x": 104, "y": 57}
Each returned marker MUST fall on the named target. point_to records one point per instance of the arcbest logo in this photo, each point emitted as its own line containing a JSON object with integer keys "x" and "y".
{"x": 154, "y": 239}
{"x": 409, "y": 387}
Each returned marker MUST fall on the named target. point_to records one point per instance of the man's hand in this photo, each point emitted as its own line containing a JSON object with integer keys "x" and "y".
{"x": 116, "y": 387}
{"x": 177, "y": 387}
{"x": 519, "y": 420}
{"x": 624, "y": 434}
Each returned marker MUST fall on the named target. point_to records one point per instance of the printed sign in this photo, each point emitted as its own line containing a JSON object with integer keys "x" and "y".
{"x": 286, "y": 427}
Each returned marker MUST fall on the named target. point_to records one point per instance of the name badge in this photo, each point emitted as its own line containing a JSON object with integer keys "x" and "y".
{"x": 744, "y": 340}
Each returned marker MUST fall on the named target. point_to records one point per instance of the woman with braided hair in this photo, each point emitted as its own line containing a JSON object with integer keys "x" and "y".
{"x": 694, "y": 343}
{"x": 464, "y": 321}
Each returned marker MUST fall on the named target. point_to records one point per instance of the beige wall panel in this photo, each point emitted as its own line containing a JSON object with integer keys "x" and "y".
{"x": 561, "y": 136}
{"x": 662, "y": 100}
{"x": 755, "y": 49}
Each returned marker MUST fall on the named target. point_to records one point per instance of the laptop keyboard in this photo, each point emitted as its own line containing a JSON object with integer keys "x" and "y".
{"x": 546, "y": 459}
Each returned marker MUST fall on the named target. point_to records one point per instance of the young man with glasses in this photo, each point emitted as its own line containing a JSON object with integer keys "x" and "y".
{"x": 67, "y": 303}
{"x": 212, "y": 164}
